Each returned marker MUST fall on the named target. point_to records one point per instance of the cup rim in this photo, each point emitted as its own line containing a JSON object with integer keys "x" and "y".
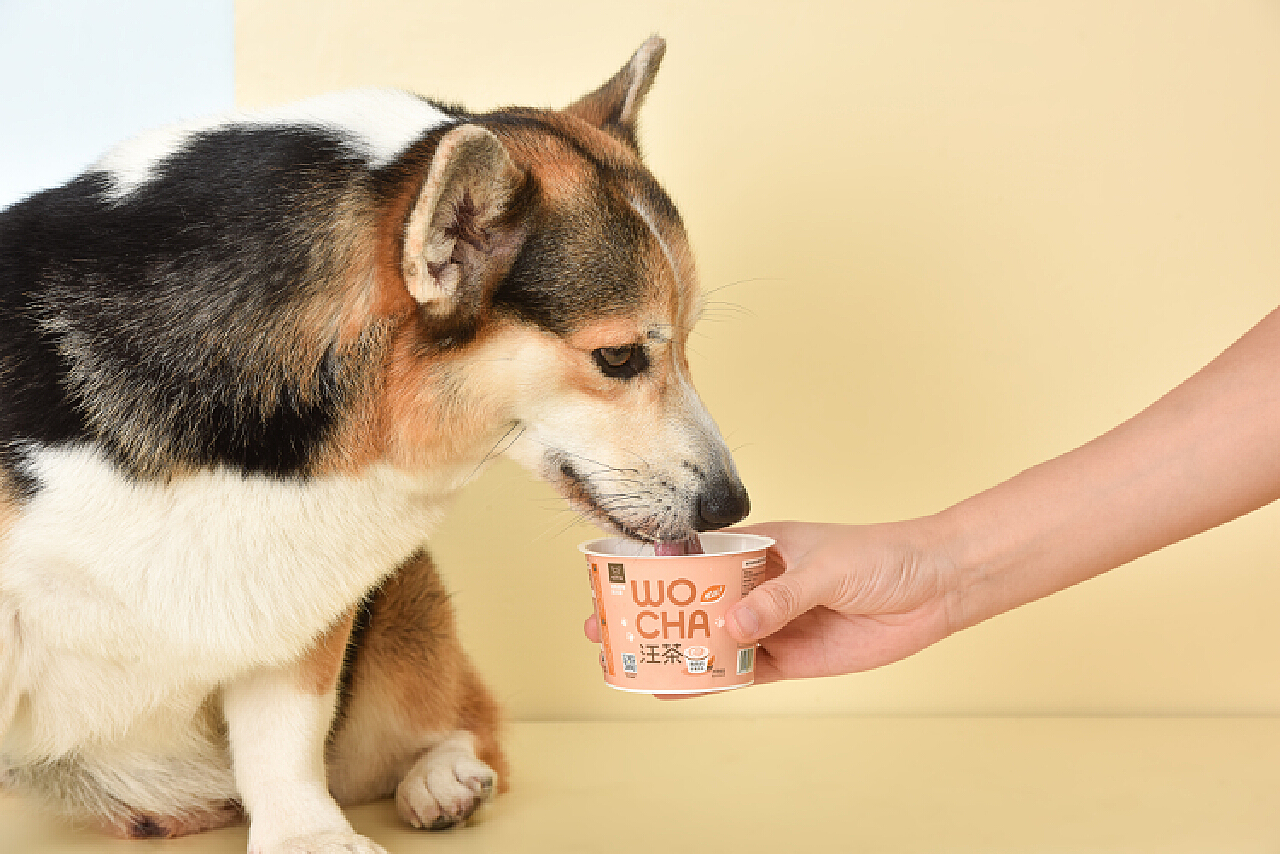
{"x": 595, "y": 548}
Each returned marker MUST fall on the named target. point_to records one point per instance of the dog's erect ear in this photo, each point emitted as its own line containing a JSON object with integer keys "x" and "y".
{"x": 615, "y": 105}
{"x": 461, "y": 235}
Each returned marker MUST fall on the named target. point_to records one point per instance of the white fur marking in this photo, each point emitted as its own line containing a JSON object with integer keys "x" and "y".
{"x": 137, "y": 599}
{"x": 379, "y": 124}
{"x": 277, "y": 736}
{"x": 383, "y": 121}
{"x": 132, "y": 163}
{"x": 696, "y": 312}
{"x": 653, "y": 229}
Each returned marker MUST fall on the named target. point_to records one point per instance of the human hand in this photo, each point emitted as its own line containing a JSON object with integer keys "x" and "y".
{"x": 842, "y": 598}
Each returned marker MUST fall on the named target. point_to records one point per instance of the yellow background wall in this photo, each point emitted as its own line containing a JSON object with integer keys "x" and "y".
{"x": 946, "y": 241}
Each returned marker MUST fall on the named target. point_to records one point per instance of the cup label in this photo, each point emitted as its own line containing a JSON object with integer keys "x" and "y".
{"x": 663, "y": 621}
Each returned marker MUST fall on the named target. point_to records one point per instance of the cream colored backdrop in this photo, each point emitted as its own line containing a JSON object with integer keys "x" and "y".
{"x": 945, "y": 242}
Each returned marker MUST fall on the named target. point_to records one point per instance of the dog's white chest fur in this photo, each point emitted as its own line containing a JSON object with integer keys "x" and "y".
{"x": 134, "y": 596}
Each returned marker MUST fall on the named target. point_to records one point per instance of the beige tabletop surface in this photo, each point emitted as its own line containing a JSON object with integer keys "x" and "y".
{"x": 835, "y": 784}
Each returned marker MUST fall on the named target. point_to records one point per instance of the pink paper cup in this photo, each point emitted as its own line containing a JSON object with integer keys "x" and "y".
{"x": 662, "y": 623}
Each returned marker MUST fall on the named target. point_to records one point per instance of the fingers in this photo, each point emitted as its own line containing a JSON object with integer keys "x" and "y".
{"x": 767, "y": 669}
{"x": 777, "y": 602}
{"x": 591, "y": 629}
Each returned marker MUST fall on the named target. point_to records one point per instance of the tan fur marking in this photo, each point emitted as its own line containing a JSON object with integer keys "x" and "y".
{"x": 560, "y": 171}
{"x": 356, "y": 442}
{"x": 385, "y": 310}
{"x": 343, "y": 314}
{"x": 611, "y": 332}
{"x": 422, "y": 407}
{"x": 356, "y": 232}
{"x": 391, "y": 297}
{"x": 559, "y": 175}
{"x": 601, "y": 145}
{"x": 319, "y": 669}
{"x": 8, "y": 507}
{"x": 411, "y": 683}
{"x": 399, "y": 393}
{"x": 442, "y": 407}
{"x": 412, "y": 617}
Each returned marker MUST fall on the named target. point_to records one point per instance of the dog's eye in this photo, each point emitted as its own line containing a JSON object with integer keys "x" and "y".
{"x": 616, "y": 357}
{"x": 622, "y": 362}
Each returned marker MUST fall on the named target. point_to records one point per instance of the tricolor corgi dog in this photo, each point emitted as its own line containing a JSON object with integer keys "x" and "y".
{"x": 243, "y": 365}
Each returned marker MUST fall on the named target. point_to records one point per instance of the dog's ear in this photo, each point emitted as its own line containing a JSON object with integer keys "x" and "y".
{"x": 615, "y": 105}
{"x": 463, "y": 231}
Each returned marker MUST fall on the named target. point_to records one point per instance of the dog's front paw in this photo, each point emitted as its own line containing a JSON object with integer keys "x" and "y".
{"x": 444, "y": 788}
{"x": 336, "y": 842}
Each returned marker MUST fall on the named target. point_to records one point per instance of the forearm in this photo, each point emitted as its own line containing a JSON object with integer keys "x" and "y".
{"x": 1207, "y": 452}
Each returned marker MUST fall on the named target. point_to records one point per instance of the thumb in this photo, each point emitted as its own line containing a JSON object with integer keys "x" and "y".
{"x": 777, "y": 602}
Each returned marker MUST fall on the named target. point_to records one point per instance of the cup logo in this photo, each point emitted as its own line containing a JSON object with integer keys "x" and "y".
{"x": 617, "y": 574}
{"x": 711, "y": 594}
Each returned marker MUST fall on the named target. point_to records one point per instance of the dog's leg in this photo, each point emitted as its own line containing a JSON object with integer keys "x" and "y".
{"x": 278, "y": 720}
{"x": 417, "y": 721}
{"x": 446, "y": 785}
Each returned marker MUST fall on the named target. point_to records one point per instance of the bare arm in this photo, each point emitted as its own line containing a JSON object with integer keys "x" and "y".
{"x": 1207, "y": 452}
{"x": 849, "y": 597}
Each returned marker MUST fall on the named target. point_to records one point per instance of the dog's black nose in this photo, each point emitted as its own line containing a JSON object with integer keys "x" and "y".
{"x": 722, "y": 503}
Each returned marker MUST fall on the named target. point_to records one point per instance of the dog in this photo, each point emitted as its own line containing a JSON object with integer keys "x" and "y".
{"x": 244, "y": 362}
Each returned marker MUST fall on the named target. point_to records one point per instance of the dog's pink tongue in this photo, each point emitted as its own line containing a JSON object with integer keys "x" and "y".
{"x": 676, "y": 548}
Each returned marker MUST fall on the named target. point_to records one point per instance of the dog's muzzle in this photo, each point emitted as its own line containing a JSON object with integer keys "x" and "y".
{"x": 722, "y": 502}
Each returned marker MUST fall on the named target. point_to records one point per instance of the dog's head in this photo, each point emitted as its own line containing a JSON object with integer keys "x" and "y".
{"x": 554, "y": 278}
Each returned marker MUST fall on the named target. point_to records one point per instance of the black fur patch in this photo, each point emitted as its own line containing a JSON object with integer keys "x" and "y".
{"x": 585, "y": 263}
{"x": 146, "y": 827}
{"x": 158, "y": 324}
{"x": 360, "y": 627}
{"x": 163, "y": 326}
{"x": 572, "y": 268}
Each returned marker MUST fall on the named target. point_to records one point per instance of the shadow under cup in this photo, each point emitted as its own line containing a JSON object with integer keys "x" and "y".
{"x": 662, "y": 619}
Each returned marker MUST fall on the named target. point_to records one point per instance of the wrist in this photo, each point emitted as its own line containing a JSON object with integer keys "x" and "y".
{"x": 967, "y": 566}
{"x": 1009, "y": 546}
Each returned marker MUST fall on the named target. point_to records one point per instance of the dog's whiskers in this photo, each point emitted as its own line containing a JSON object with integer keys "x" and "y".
{"x": 494, "y": 450}
{"x": 720, "y": 311}
{"x": 738, "y": 282}
{"x": 578, "y": 517}
{"x": 563, "y": 452}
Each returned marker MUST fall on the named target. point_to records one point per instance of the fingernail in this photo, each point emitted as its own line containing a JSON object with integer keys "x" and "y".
{"x": 747, "y": 621}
